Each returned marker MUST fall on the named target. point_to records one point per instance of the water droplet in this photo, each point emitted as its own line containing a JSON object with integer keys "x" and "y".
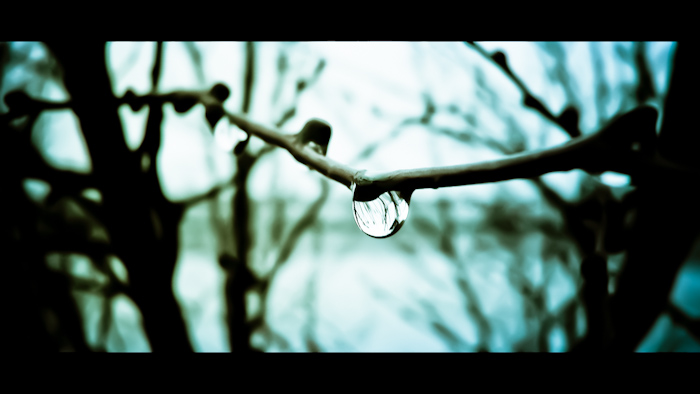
{"x": 383, "y": 216}
{"x": 227, "y": 135}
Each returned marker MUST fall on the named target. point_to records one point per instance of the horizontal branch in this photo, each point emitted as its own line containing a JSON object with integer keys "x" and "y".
{"x": 303, "y": 153}
{"x": 610, "y": 149}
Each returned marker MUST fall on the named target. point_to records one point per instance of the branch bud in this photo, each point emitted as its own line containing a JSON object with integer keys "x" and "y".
{"x": 136, "y": 103}
{"x": 220, "y": 91}
{"x": 316, "y": 134}
{"x": 569, "y": 119}
{"x": 500, "y": 59}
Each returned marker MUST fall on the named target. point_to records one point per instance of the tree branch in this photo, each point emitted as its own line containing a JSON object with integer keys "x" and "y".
{"x": 609, "y": 149}
{"x": 606, "y": 150}
{"x": 499, "y": 59}
{"x": 303, "y": 153}
{"x": 295, "y": 233}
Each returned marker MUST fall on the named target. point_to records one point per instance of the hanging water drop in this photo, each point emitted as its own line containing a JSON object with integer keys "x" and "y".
{"x": 227, "y": 135}
{"x": 383, "y": 216}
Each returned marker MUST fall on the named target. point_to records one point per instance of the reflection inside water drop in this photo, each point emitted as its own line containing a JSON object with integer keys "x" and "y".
{"x": 383, "y": 216}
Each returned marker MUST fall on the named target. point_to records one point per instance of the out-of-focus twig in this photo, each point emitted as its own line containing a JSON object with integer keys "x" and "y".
{"x": 530, "y": 100}
{"x": 307, "y": 220}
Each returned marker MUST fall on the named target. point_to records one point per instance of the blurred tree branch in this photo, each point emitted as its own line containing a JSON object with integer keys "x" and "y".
{"x": 142, "y": 225}
{"x": 262, "y": 286}
{"x": 567, "y": 121}
{"x": 666, "y": 223}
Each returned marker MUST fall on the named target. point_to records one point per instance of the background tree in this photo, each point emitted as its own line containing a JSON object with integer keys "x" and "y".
{"x": 483, "y": 267}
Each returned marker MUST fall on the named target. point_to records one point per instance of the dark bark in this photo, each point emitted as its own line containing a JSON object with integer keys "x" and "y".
{"x": 142, "y": 224}
{"x": 666, "y": 221}
{"x": 239, "y": 277}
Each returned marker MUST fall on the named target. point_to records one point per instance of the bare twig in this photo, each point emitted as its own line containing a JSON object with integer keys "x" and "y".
{"x": 601, "y": 151}
{"x": 303, "y": 153}
{"x": 238, "y": 274}
{"x": 295, "y": 233}
{"x": 529, "y": 99}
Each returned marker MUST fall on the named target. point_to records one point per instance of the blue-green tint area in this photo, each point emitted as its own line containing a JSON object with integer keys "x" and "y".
{"x": 489, "y": 267}
{"x": 134, "y": 124}
{"x": 57, "y": 136}
{"x": 614, "y": 179}
{"x": 557, "y": 340}
{"x": 36, "y": 189}
{"x": 686, "y": 292}
{"x": 667, "y": 336}
{"x": 118, "y": 269}
{"x": 92, "y": 194}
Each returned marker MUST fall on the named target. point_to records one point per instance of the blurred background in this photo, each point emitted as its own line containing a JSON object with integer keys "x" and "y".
{"x": 262, "y": 254}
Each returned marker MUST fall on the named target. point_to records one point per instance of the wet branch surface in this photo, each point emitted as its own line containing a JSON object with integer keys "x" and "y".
{"x": 610, "y": 149}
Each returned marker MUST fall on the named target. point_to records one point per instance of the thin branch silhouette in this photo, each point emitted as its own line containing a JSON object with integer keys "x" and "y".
{"x": 499, "y": 59}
